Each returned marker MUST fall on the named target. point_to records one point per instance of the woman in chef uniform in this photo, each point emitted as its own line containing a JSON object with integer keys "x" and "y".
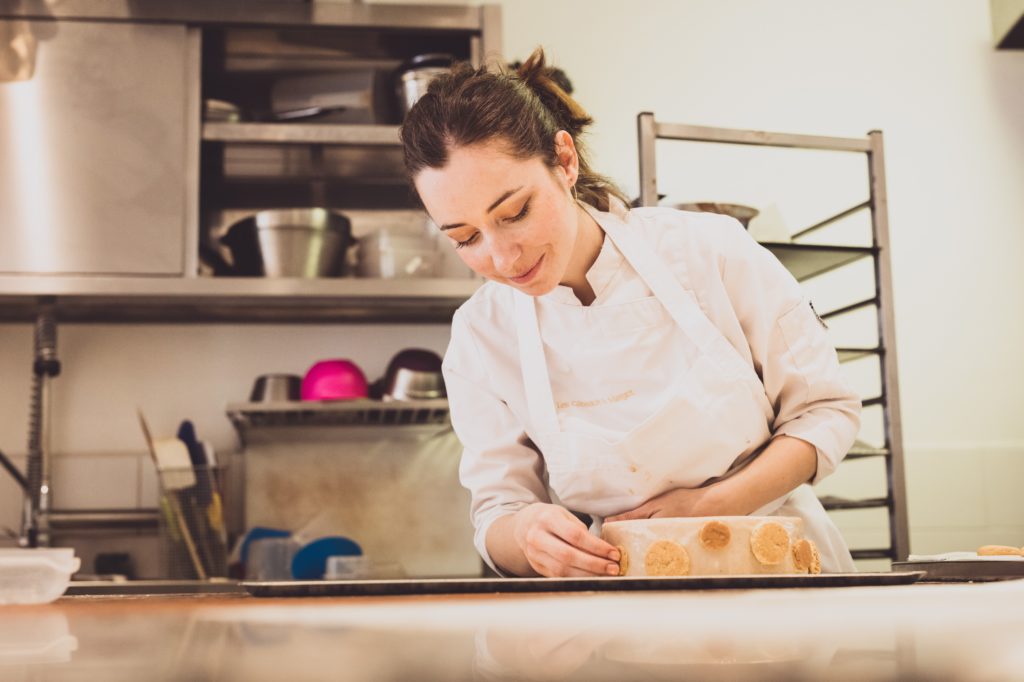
{"x": 618, "y": 364}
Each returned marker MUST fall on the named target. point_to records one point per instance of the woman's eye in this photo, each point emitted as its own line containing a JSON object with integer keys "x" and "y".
{"x": 459, "y": 245}
{"x": 522, "y": 214}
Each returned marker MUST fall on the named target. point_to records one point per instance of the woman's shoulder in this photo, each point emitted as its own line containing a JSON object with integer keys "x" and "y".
{"x": 688, "y": 234}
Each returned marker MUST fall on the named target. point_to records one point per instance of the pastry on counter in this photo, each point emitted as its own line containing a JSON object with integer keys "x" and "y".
{"x": 727, "y": 545}
{"x": 1000, "y": 550}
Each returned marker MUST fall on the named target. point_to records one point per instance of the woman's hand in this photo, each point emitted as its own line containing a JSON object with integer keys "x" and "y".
{"x": 675, "y": 503}
{"x": 557, "y": 544}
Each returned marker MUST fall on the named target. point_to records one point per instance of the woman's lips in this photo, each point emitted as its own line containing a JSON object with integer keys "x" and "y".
{"x": 529, "y": 274}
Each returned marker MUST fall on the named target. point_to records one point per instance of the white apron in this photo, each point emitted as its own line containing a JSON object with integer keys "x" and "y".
{"x": 710, "y": 417}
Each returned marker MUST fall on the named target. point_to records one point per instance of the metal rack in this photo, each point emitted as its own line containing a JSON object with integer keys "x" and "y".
{"x": 806, "y": 261}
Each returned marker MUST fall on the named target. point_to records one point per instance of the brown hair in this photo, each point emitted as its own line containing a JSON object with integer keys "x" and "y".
{"x": 524, "y": 109}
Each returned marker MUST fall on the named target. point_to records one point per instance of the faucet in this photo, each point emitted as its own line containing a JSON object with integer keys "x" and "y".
{"x": 35, "y": 523}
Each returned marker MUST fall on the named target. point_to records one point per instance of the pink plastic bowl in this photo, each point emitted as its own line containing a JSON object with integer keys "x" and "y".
{"x": 334, "y": 380}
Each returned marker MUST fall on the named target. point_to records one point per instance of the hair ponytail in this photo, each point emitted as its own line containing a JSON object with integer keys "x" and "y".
{"x": 524, "y": 108}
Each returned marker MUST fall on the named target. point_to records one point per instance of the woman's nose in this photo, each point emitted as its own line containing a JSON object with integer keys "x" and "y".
{"x": 505, "y": 253}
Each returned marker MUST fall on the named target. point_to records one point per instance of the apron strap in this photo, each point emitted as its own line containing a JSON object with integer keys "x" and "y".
{"x": 540, "y": 400}
{"x": 663, "y": 284}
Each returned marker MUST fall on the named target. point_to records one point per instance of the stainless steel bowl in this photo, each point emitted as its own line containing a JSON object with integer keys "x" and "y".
{"x": 411, "y": 384}
{"x": 303, "y": 242}
{"x": 275, "y": 388}
{"x": 414, "y": 374}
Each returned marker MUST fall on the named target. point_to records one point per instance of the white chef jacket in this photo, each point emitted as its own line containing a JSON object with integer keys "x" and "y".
{"x": 739, "y": 285}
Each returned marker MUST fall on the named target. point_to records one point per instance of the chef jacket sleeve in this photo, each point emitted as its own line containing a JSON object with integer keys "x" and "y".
{"x": 791, "y": 351}
{"x": 501, "y": 469}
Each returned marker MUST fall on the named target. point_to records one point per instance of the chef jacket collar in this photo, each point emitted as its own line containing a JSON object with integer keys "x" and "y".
{"x": 601, "y": 273}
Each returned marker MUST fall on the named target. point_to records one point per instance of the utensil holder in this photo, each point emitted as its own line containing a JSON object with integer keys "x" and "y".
{"x": 193, "y": 535}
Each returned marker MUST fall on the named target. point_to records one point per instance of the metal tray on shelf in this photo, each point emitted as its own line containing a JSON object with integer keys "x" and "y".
{"x": 366, "y": 588}
{"x": 965, "y": 570}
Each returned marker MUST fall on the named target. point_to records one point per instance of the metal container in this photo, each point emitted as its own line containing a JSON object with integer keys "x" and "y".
{"x": 303, "y": 242}
{"x": 411, "y": 384}
{"x": 414, "y": 374}
{"x": 275, "y": 388}
{"x": 416, "y": 75}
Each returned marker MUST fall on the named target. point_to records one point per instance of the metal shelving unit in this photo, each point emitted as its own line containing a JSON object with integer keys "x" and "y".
{"x": 227, "y": 50}
{"x": 807, "y": 261}
{"x": 233, "y": 299}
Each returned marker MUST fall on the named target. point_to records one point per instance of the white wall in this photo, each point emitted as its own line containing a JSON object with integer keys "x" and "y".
{"x": 952, "y": 110}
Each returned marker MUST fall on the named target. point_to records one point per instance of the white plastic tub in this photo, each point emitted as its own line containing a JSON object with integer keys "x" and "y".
{"x": 35, "y": 576}
{"x": 392, "y": 254}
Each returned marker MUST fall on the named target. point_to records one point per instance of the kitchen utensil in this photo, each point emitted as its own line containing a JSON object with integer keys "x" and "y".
{"x": 414, "y": 374}
{"x": 310, "y": 561}
{"x": 206, "y": 503}
{"x": 334, "y": 380}
{"x": 416, "y": 74}
{"x": 273, "y": 388}
{"x": 170, "y": 454}
{"x": 744, "y": 214}
{"x": 339, "y": 588}
{"x": 347, "y": 96}
{"x": 303, "y": 242}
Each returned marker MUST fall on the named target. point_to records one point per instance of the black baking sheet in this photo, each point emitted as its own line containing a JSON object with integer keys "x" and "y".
{"x": 966, "y": 570}
{"x": 347, "y": 588}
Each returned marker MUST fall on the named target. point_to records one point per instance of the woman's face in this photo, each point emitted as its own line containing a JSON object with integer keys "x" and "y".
{"x": 511, "y": 221}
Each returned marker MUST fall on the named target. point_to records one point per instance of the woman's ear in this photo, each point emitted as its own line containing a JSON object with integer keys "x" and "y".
{"x": 568, "y": 159}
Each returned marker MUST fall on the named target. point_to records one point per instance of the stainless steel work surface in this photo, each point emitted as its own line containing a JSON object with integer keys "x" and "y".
{"x": 902, "y": 632}
{"x": 336, "y": 588}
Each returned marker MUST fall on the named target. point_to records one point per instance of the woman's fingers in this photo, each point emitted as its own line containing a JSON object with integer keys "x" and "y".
{"x": 576, "y": 534}
{"x": 561, "y": 546}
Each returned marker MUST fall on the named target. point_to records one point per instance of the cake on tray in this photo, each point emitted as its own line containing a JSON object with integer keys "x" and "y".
{"x": 722, "y": 545}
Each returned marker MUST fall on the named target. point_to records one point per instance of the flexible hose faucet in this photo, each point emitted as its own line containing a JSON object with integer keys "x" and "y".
{"x": 35, "y": 526}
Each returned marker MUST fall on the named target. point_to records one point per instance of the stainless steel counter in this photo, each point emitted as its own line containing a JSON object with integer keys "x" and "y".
{"x": 949, "y": 632}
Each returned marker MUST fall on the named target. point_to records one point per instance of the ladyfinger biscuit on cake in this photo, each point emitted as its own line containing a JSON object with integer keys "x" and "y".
{"x": 715, "y": 535}
{"x": 806, "y": 557}
{"x": 623, "y": 559}
{"x": 769, "y": 543}
{"x": 999, "y": 550}
{"x": 665, "y": 557}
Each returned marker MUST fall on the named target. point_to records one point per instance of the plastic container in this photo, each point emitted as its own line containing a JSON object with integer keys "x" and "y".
{"x": 393, "y": 254}
{"x": 35, "y": 576}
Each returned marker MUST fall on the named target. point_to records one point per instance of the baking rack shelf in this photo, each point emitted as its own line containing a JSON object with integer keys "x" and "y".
{"x": 340, "y": 413}
{"x": 806, "y": 261}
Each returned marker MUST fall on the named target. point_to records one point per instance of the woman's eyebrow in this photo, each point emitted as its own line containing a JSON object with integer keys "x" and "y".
{"x": 497, "y": 202}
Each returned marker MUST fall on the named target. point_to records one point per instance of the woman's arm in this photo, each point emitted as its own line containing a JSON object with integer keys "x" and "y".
{"x": 782, "y": 466}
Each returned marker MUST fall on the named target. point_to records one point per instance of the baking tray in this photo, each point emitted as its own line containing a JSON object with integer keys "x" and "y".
{"x": 367, "y": 588}
{"x": 966, "y": 570}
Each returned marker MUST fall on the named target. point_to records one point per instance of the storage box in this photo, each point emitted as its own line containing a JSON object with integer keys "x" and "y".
{"x": 35, "y": 576}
